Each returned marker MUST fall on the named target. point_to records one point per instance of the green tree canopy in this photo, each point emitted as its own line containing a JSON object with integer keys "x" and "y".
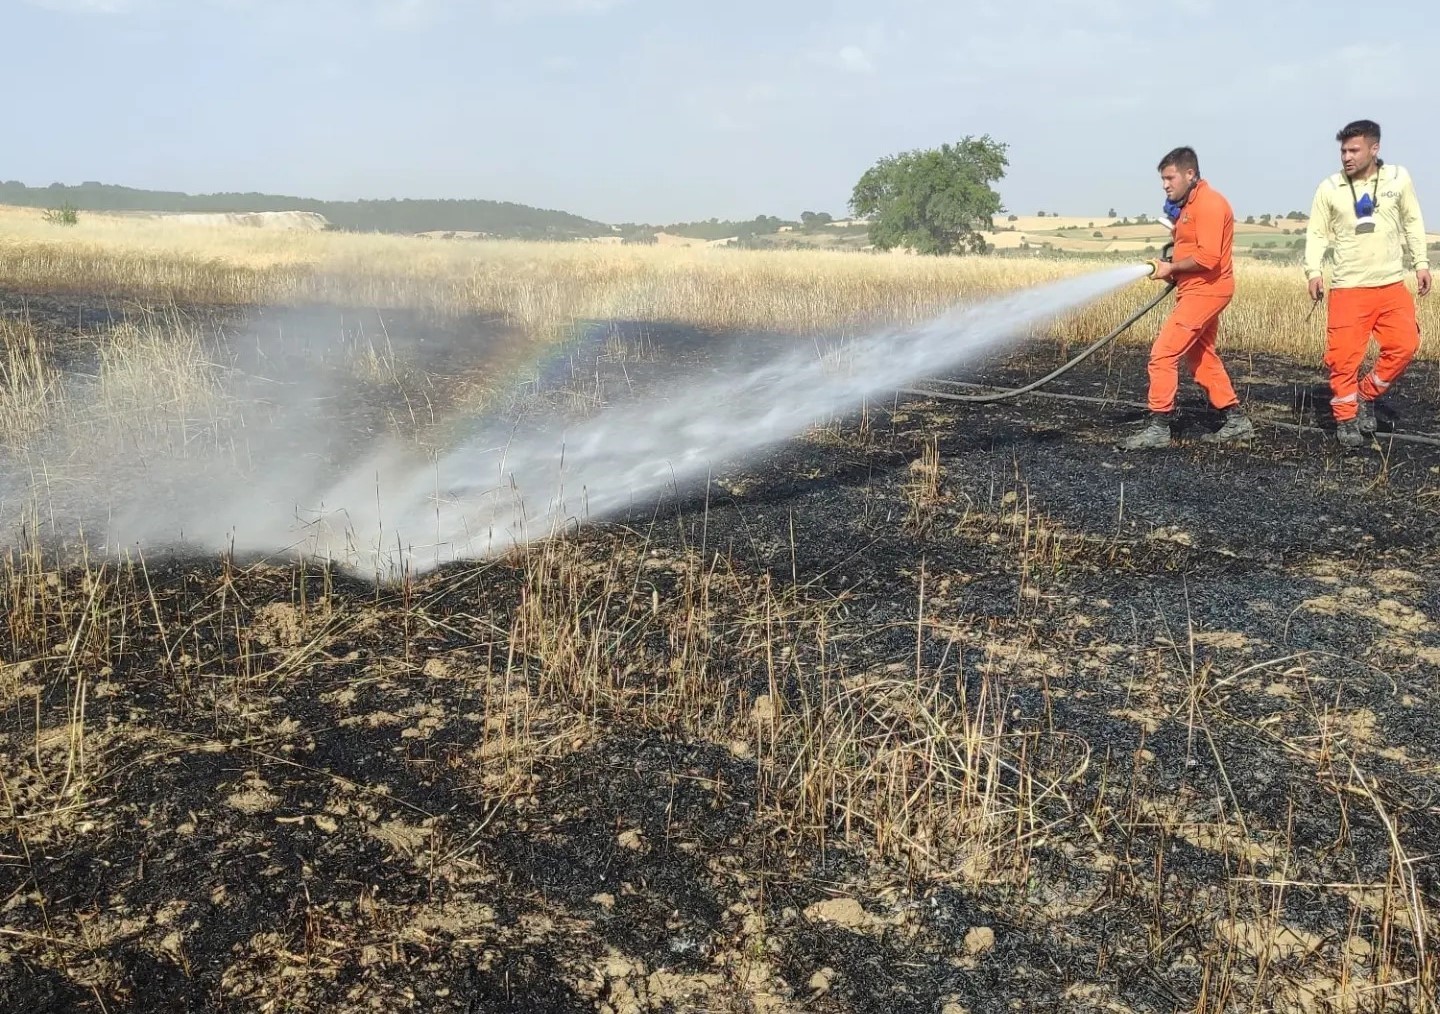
{"x": 934, "y": 201}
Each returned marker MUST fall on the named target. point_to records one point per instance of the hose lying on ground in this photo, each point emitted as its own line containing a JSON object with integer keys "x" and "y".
{"x": 1094, "y": 347}
{"x": 1429, "y": 439}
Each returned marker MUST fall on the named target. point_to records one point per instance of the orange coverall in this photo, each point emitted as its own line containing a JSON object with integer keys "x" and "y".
{"x": 1388, "y": 312}
{"x": 1367, "y": 286}
{"x": 1205, "y": 231}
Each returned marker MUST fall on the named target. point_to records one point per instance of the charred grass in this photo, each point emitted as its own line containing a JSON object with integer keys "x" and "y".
{"x": 938, "y": 709}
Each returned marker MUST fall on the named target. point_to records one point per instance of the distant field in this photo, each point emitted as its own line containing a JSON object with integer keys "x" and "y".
{"x": 540, "y": 289}
{"x": 1075, "y": 234}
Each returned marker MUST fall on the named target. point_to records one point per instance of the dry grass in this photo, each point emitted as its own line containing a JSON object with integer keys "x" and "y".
{"x": 30, "y": 388}
{"x": 920, "y": 768}
{"x": 153, "y": 389}
{"x": 541, "y": 287}
{"x": 149, "y": 385}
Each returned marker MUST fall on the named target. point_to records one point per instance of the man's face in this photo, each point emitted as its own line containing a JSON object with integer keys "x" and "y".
{"x": 1358, "y": 154}
{"x": 1176, "y": 182}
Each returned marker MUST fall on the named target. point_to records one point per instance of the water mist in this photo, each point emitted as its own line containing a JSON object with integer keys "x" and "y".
{"x": 395, "y": 512}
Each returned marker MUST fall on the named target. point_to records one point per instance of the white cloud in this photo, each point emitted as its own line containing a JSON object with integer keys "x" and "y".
{"x": 84, "y": 6}
{"x": 396, "y": 14}
{"x": 401, "y": 14}
{"x": 1377, "y": 72}
{"x": 849, "y": 59}
{"x": 854, "y": 59}
{"x": 515, "y": 10}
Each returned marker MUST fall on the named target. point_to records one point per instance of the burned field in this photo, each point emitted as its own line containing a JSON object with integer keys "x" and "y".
{"x": 940, "y": 708}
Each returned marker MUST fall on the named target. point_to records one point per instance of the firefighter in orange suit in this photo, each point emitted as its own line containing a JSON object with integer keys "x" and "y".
{"x": 1202, "y": 268}
{"x": 1367, "y": 218}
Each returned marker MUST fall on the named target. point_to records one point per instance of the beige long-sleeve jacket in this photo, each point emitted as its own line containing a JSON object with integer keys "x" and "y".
{"x": 1364, "y": 260}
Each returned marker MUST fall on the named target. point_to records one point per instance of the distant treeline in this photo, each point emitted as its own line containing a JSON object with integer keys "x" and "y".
{"x": 498, "y": 218}
{"x": 713, "y": 229}
{"x": 760, "y": 225}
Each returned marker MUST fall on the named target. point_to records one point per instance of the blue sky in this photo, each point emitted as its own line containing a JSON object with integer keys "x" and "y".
{"x": 661, "y": 110}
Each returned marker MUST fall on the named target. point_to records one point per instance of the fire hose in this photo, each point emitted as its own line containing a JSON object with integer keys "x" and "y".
{"x": 987, "y": 397}
{"x": 1090, "y": 350}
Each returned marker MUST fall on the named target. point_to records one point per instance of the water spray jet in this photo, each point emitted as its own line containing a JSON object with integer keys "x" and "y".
{"x": 394, "y": 512}
{"x": 392, "y": 516}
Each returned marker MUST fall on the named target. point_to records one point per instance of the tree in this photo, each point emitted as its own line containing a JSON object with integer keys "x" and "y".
{"x": 1112, "y": 212}
{"x": 935, "y": 201}
{"x": 66, "y": 214}
{"x": 1249, "y": 219}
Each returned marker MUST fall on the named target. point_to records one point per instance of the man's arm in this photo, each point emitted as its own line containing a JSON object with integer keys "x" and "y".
{"x": 1414, "y": 226}
{"x": 1209, "y": 239}
{"x": 1318, "y": 235}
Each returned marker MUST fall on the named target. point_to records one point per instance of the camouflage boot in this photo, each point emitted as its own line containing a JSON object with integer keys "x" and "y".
{"x": 1348, "y": 433}
{"x": 1365, "y": 416}
{"x": 1237, "y": 426}
{"x": 1154, "y": 437}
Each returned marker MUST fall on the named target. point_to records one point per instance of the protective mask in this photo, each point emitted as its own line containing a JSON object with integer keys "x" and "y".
{"x": 1365, "y": 214}
{"x": 1172, "y": 210}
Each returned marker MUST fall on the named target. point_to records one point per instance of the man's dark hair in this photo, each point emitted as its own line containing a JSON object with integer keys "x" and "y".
{"x": 1180, "y": 158}
{"x": 1368, "y": 129}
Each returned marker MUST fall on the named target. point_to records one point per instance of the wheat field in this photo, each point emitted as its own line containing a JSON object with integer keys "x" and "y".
{"x": 930, "y": 712}
{"x": 540, "y": 287}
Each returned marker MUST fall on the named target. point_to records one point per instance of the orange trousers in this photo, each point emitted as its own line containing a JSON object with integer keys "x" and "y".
{"x": 1387, "y": 312}
{"x": 1189, "y": 333}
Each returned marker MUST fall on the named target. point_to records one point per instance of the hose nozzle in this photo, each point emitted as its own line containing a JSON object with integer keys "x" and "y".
{"x": 1167, "y": 253}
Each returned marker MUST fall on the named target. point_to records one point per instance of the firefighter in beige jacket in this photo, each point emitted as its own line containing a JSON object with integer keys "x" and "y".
{"x": 1368, "y": 218}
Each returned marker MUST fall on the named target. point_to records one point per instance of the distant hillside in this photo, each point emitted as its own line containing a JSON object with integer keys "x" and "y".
{"x": 761, "y": 225}
{"x": 496, "y": 218}
{"x": 811, "y": 229}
